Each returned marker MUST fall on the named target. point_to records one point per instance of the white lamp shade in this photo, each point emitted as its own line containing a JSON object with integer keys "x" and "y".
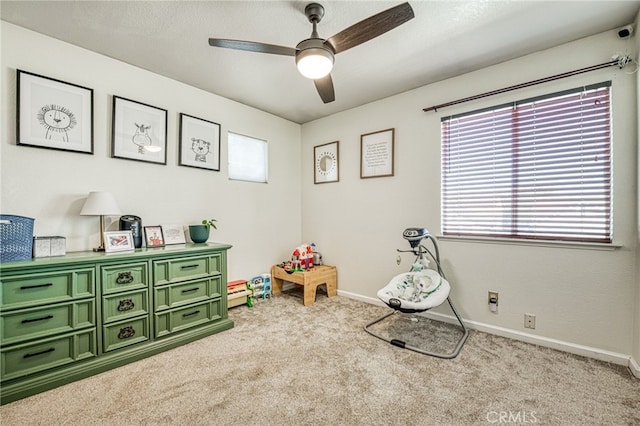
{"x": 314, "y": 63}
{"x": 100, "y": 203}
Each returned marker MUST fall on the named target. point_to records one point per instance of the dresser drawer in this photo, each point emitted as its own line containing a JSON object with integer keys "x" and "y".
{"x": 125, "y": 333}
{"x": 179, "y": 319}
{"x": 186, "y": 268}
{"x": 20, "y": 291}
{"x": 172, "y": 296}
{"x": 22, "y": 360}
{"x": 27, "y": 324}
{"x": 124, "y": 277}
{"x": 125, "y": 305}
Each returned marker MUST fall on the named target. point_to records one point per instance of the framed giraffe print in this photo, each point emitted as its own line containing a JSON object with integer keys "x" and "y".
{"x": 53, "y": 114}
{"x": 199, "y": 143}
{"x": 138, "y": 131}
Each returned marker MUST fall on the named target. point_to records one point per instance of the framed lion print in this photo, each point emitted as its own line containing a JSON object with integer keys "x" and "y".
{"x": 53, "y": 114}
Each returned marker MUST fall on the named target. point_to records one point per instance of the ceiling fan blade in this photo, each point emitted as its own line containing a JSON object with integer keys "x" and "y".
{"x": 371, "y": 27}
{"x": 324, "y": 86}
{"x": 253, "y": 46}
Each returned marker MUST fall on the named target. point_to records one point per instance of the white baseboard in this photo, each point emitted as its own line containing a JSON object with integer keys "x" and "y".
{"x": 590, "y": 352}
{"x": 634, "y": 367}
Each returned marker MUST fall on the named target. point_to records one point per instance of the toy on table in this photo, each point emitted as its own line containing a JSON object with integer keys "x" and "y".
{"x": 303, "y": 258}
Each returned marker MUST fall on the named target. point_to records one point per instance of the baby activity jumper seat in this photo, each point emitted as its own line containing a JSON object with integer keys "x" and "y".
{"x": 417, "y": 291}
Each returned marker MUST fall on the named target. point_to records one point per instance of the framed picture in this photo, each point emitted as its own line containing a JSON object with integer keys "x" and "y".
{"x": 54, "y": 114}
{"x": 199, "y": 143}
{"x": 153, "y": 236}
{"x": 139, "y": 131}
{"x": 376, "y": 154}
{"x": 173, "y": 234}
{"x": 118, "y": 241}
{"x": 325, "y": 163}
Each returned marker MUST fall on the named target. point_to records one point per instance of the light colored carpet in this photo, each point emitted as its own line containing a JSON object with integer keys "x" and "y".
{"x": 286, "y": 364}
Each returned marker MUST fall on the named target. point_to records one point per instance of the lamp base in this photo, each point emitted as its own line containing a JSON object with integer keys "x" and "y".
{"x": 98, "y": 249}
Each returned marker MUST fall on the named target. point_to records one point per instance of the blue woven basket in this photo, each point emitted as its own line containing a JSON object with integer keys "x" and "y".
{"x": 16, "y": 237}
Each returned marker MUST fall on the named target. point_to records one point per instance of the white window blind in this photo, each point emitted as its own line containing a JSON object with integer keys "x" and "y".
{"x": 535, "y": 169}
{"x": 248, "y": 158}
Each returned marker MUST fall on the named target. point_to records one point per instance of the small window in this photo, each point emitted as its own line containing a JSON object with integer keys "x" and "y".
{"x": 248, "y": 159}
{"x": 535, "y": 169}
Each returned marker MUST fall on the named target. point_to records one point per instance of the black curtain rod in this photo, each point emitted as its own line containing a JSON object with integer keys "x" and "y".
{"x": 521, "y": 85}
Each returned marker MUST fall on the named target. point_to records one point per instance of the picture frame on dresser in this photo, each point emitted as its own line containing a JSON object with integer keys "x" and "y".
{"x": 199, "y": 143}
{"x": 153, "y": 236}
{"x": 173, "y": 234}
{"x": 53, "y": 114}
{"x": 116, "y": 241}
{"x": 138, "y": 131}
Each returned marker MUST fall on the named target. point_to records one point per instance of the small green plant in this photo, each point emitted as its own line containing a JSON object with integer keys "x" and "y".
{"x": 210, "y": 223}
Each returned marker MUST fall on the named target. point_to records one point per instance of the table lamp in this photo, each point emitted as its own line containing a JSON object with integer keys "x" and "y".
{"x": 100, "y": 204}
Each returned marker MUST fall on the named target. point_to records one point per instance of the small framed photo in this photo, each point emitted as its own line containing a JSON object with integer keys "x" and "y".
{"x": 325, "y": 163}
{"x": 153, "y": 236}
{"x": 118, "y": 241}
{"x": 139, "y": 131}
{"x": 54, "y": 114}
{"x": 199, "y": 143}
{"x": 173, "y": 234}
{"x": 376, "y": 154}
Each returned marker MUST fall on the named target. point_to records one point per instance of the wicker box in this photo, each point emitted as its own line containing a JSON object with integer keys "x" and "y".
{"x": 16, "y": 237}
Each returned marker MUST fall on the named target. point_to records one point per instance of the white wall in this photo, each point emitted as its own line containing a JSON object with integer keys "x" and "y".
{"x": 580, "y": 297}
{"x": 51, "y": 186}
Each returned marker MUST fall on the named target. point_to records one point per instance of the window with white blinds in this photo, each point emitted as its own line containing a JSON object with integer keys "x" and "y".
{"x": 534, "y": 169}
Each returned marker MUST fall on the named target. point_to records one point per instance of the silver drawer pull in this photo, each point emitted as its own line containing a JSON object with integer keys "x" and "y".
{"x": 27, "y": 287}
{"x": 126, "y": 332}
{"x": 46, "y": 351}
{"x": 126, "y": 305}
{"x": 190, "y": 290}
{"x": 190, "y": 314}
{"x": 189, "y": 266}
{"x": 26, "y": 321}
{"x": 124, "y": 278}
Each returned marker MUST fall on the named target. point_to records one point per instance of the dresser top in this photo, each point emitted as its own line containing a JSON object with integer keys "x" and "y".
{"x": 138, "y": 254}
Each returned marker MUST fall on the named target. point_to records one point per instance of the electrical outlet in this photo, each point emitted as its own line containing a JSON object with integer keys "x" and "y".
{"x": 529, "y": 321}
{"x": 493, "y": 301}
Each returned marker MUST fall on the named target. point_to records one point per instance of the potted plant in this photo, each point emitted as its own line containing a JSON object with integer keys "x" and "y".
{"x": 200, "y": 233}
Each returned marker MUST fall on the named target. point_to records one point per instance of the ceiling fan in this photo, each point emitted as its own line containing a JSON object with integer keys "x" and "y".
{"x": 315, "y": 56}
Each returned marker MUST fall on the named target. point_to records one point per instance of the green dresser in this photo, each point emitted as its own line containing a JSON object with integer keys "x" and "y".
{"x": 66, "y": 318}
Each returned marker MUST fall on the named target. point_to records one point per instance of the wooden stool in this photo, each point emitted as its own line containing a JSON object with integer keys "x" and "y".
{"x": 323, "y": 274}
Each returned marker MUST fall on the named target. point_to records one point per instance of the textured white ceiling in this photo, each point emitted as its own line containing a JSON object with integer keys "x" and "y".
{"x": 446, "y": 38}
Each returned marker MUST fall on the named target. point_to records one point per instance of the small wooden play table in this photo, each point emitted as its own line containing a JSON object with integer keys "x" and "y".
{"x": 319, "y": 275}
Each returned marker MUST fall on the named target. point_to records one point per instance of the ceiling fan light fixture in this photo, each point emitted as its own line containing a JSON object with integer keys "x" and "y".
{"x": 314, "y": 62}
